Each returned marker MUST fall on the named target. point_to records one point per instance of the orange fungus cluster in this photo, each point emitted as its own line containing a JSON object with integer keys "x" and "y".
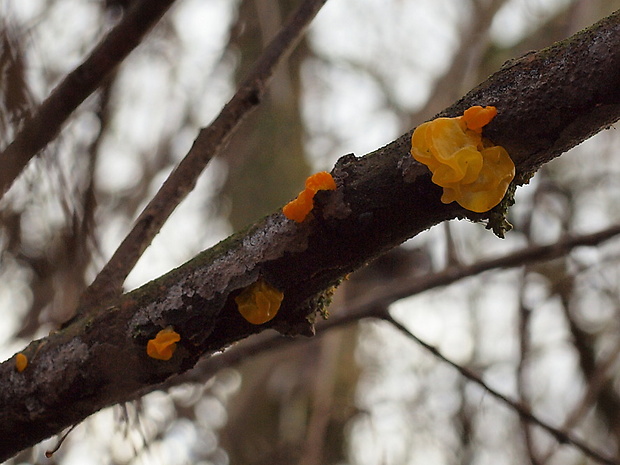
{"x": 298, "y": 209}
{"x": 21, "y": 362}
{"x": 472, "y": 171}
{"x": 163, "y": 345}
{"x": 259, "y": 302}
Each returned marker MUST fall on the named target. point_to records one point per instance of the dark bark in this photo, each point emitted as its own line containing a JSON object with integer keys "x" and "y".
{"x": 548, "y": 102}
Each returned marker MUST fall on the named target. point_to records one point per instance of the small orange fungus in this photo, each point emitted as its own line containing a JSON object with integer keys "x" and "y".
{"x": 472, "y": 171}
{"x": 163, "y": 345}
{"x": 21, "y": 362}
{"x": 477, "y": 117}
{"x": 298, "y": 209}
{"x": 321, "y": 181}
{"x": 259, "y": 302}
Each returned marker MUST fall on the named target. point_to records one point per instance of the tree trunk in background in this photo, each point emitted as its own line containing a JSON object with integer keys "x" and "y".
{"x": 280, "y": 414}
{"x": 293, "y": 404}
{"x": 266, "y": 161}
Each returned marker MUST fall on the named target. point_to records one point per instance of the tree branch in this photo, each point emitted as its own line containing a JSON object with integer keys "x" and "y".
{"x": 452, "y": 274}
{"x": 563, "y": 437}
{"x": 366, "y": 305}
{"x": 375, "y": 306}
{"x": 548, "y": 102}
{"x": 41, "y": 128}
{"x": 210, "y": 141}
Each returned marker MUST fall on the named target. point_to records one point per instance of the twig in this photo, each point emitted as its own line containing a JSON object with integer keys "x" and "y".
{"x": 563, "y": 437}
{"x": 208, "y": 144}
{"x": 40, "y": 129}
{"x": 452, "y": 274}
{"x": 524, "y": 321}
{"x": 264, "y": 344}
{"x": 595, "y": 385}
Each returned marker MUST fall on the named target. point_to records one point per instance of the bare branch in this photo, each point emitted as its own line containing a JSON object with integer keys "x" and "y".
{"x": 452, "y": 274}
{"x": 596, "y": 384}
{"x": 207, "y": 145}
{"x": 365, "y": 307}
{"x": 41, "y": 128}
{"x": 563, "y": 437}
{"x": 376, "y": 308}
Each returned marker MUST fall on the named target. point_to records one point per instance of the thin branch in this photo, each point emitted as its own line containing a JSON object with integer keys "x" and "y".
{"x": 595, "y": 385}
{"x": 262, "y": 344}
{"x": 210, "y": 141}
{"x": 367, "y": 305}
{"x": 563, "y": 437}
{"x": 452, "y": 274}
{"x": 524, "y": 321}
{"x": 40, "y": 129}
{"x": 378, "y": 309}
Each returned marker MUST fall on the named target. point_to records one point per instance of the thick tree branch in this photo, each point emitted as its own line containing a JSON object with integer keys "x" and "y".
{"x": 548, "y": 102}
{"x": 40, "y": 129}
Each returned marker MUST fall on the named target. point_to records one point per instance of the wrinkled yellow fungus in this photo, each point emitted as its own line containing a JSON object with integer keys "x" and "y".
{"x": 472, "y": 171}
{"x": 259, "y": 302}
{"x": 298, "y": 209}
{"x": 163, "y": 345}
{"x": 21, "y": 362}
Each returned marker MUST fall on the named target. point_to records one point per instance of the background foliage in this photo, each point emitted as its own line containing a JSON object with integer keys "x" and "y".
{"x": 545, "y": 334}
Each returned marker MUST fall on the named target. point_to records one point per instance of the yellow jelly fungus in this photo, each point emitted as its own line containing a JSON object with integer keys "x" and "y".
{"x": 298, "y": 209}
{"x": 21, "y": 362}
{"x": 259, "y": 302}
{"x": 163, "y": 345}
{"x": 472, "y": 171}
{"x": 477, "y": 117}
{"x": 320, "y": 181}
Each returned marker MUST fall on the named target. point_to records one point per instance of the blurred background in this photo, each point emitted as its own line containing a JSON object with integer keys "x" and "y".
{"x": 367, "y": 72}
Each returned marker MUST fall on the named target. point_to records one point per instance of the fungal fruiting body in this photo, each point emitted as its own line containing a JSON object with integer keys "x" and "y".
{"x": 298, "y": 209}
{"x": 472, "y": 171}
{"x": 259, "y": 302}
{"x": 163, "y": 345}
{"x": 477, "y": 117}
{"x": 21, "y": 362}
